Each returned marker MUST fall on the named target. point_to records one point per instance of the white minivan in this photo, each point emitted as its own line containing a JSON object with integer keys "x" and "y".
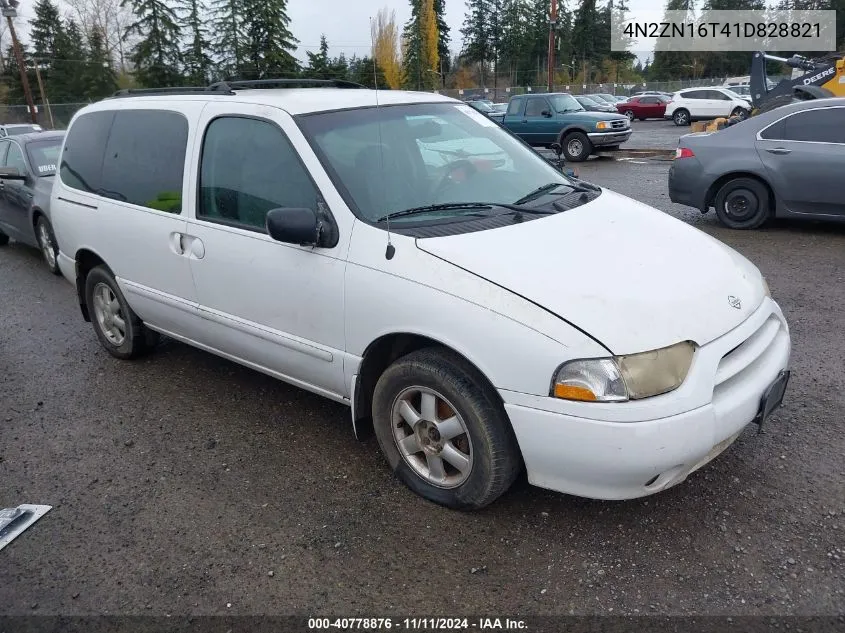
{"x": 403, "y": 254}
{"x": 705, "y": 103}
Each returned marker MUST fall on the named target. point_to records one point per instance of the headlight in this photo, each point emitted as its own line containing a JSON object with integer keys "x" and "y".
{"x": 603, "y": 125}
{"x": 621, "y": 378}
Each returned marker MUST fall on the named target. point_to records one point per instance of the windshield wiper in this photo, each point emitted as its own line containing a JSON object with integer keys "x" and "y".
{"x": 446, "y": 206}
{"x": 539, "y": 191}
{"x": 430, "y": 208}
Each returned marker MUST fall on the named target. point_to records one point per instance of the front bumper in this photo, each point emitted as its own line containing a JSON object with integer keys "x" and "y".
{"x": 603, "y": 457}
{"x": 613, "y": 137}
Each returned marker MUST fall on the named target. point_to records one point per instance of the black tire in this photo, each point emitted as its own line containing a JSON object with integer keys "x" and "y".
{"x": 576, "y": 147}
{"x": 4, "y": 239}
{"x": 743, "y": 203}
{"x": 495, "y": 457}
{"x": 50, "y": 249}
{"x": 739, "y": 112}
{"x": 137, "y": 339}
{"x": 681, "y": 117}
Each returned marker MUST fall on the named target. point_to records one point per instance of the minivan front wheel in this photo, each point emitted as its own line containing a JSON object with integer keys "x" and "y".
{"x": 444, "y": 431}
{"x": 119, "y": 329}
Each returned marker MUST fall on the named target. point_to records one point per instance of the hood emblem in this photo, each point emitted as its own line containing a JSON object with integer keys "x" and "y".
{"x": 734, "y": 302}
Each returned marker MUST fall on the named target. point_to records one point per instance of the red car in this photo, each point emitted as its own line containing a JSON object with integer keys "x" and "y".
{"x": 644, "y": 107}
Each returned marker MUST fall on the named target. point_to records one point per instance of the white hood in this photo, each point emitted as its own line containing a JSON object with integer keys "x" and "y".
{"x": 633, "y": 277}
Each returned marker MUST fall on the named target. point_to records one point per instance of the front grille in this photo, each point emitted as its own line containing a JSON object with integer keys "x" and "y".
{"x": 619, "y": 125}
{"x": 744, "y": 356}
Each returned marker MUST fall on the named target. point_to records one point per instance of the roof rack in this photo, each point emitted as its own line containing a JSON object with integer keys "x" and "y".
{"x": 241, "y": 84}
{"x": 229, "y": 87}
{"x": 220, "y": 87}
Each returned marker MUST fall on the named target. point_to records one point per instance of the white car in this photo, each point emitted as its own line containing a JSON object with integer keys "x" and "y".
{"x": 705, "y": 103}
{"x": 485, "y": 313}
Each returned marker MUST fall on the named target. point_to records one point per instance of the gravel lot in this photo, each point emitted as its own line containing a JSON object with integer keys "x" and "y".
{"x": 184, "y": 483}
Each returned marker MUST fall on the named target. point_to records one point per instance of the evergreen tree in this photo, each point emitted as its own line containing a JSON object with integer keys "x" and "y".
{"x": 421, "y": 59}
{"x": 46, "y": 26}
{"x": 228, "y": 47}
{"x": 667, "y": 63}
{"x": 68, "y": 80}
{"x": 195, "y": 56}
{"x": 319, "y": 65}
{"x": 477, "y": 34}
{"x": 268, "y": 42}
{"x": 364, "y": 71}
{"x": 99, "y": 77}
{"x": 156, "y": 55}
{"x": 584, "y": 30}
{"x": 339, "y": 67}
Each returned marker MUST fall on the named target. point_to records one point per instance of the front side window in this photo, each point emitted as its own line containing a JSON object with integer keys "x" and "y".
{"x": 515, "y": 106}
{"x": 44, "y": 156}
{"x": 398, "y": 158}
{"x": 248, "y": 168}
{"x": 145, "y": 159}
{"x": 82, "y": 159}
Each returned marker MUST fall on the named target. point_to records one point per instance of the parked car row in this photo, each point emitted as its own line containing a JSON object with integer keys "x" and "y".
{"x": 277, "y": 228}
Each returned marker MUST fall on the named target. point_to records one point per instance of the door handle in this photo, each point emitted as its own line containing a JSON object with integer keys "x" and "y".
{"x": 197, "y": 248}
{"x": 177, "y": 244}
{"x": 779, "y": 151}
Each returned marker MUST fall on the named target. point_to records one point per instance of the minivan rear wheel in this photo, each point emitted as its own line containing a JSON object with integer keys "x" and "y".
{"x": 119, "y": 329}
{"x": 444, "y": 431}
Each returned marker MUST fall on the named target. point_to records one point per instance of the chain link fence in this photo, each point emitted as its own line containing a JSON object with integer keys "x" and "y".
{"x": 56, "y": 116}
{"x": 503, "y": 93}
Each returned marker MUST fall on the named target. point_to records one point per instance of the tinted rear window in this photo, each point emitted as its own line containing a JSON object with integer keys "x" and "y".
{"x": 43, "y": 156}
{"x": 145, "y": 159}
{"x": 82, "y": 158}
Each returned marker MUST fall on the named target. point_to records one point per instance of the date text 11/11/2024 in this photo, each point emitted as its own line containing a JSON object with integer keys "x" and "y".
{"x": 416, "y": 624}
{"x": 719, "y": 29}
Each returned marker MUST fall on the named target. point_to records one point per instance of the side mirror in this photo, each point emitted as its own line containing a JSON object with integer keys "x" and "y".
{"x": 294, "y": 226}
{"x": 546, "y": 113}
{"x": 11, "y": 173}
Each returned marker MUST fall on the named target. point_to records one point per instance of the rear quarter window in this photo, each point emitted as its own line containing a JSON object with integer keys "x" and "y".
{"x": 82, "y": 158}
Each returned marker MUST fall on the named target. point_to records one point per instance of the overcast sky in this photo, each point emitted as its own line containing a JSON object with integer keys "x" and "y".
{"x": 346, "y": 22}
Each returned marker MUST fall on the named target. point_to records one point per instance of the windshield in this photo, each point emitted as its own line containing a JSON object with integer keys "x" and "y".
{"x": 588, "y": 102}
{"x": 565, "y": 103}
{"x": 404, "y": 157}
{"x": 43, "y": 155}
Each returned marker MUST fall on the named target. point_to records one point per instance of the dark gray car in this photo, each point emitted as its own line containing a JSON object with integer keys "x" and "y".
{"x": 28, "y": 165}
{"x": 789, "y": 162}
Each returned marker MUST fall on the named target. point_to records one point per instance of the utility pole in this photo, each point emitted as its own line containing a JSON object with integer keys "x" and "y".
{"x": 43, "y": 95}
{"x": 552, "y": 27}
{"x": 10, "y": 10}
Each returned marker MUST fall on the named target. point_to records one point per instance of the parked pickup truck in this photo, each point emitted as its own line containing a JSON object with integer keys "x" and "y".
{"x": 543, "y": 119}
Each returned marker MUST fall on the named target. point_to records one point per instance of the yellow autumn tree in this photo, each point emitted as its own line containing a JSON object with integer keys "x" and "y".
{"x": 386, "y": 47}
{"x": 429, "y": 39}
